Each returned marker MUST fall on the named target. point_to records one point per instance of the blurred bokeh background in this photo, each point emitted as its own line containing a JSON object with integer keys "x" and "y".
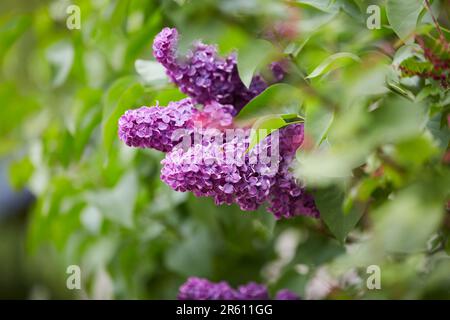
{"x": 72, "y": 194}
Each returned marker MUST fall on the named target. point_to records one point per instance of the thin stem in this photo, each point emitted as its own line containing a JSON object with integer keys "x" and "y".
{"x": 441, "y": 34}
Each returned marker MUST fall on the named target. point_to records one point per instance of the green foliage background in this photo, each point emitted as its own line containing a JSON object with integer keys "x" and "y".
{"x": 376, "y": 155}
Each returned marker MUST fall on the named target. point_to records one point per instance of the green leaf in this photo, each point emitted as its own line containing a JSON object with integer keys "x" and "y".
{"x": 294, "y": 48}
{"x": 334, "y": 61}
{"x": 192, "y": 256}
{"x": 405, "y": 223}
{"x": 117, "y": 204}
{"x": 20, "y": 171}
{"x": 143, "y": 38}
{"x": 329, "y": 6}
{"x": 317, "y": 121}
{"x": 12, "y": 30}
{"x": 124, "y": 94}
{"x": 276, "y": 99}
{"x": 150, "y": 71}
{"x": 61, "y": 57}
{"x": 329, "y": 201}
{"x": 416, "y": 66}
{"x": 440, "y": 132}
{"x": 402, "y": 16}
{"x": 251, "y": 56}
{"x": 265, "y": 126}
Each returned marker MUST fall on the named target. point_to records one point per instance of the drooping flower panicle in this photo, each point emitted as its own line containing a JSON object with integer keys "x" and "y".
{"x": 202, "y": 74}
{"x": 211, "y": 162}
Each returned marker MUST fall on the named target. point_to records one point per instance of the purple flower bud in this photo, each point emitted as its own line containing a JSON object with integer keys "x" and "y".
{"x": 278, "y": 71}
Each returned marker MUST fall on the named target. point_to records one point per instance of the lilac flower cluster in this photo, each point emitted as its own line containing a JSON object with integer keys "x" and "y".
{"x": 224, "y": 171}
{"x": 220, "y": 169}
{"x": 202, "y": 74}
{"x": 288, "y": 199}
{"x": 214, "y": 163}
{"x": 202, "y": 289}
{"x": 153, "y": 127}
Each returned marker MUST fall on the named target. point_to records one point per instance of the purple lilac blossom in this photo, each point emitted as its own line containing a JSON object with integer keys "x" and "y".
{"x": 202, "y": 289}
{"x": 220, "y": 169}
{"x": 288, "y": 199}
{"x": 214, "y": 82}
{"x": 278, "y": 70}
{"x": 214, "y": 115}
{"x": 153, "y": 127}
{"x": 202, "y": 74}
{"x": 286, "y": 294}
{"x": 253, "y": 291}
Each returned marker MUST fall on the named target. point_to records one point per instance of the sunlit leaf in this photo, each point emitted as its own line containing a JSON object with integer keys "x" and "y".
{"x": 334, "y": 61}
{"x": 403, "y": 15}
{"x": 250, "y": 58}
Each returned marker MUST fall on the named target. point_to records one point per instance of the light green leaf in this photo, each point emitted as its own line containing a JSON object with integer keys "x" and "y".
{"x": 317, "y": 121}
{"x": 323, "y": 5}
{"x": 277, "y": 99}
{"x": 250, "y": 57}
{"x": 61, "y": 56}
{"x": 192, "y": 256}
{"x": 416, "y": 66}
{"x": 150, "y": 71}
{"x": 329, "y": 201}
{"x": 20, "y": 172}
{"x": 402, "y": 16}
{"x": 123, "y": 94}
{"x": 117, "y": 204}
{"x": 334, "y": 61}
{"x": 405, "y": 223}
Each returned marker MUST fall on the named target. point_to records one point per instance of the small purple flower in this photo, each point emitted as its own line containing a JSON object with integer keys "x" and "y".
{"x": 201, "y": 289}
{"x": 154, "y": 127}
{"x": 253, "y": 291}
{"x": 278, "y": 70}
{"x": 290, "y": 200}
{"x": 286, "y": 294}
